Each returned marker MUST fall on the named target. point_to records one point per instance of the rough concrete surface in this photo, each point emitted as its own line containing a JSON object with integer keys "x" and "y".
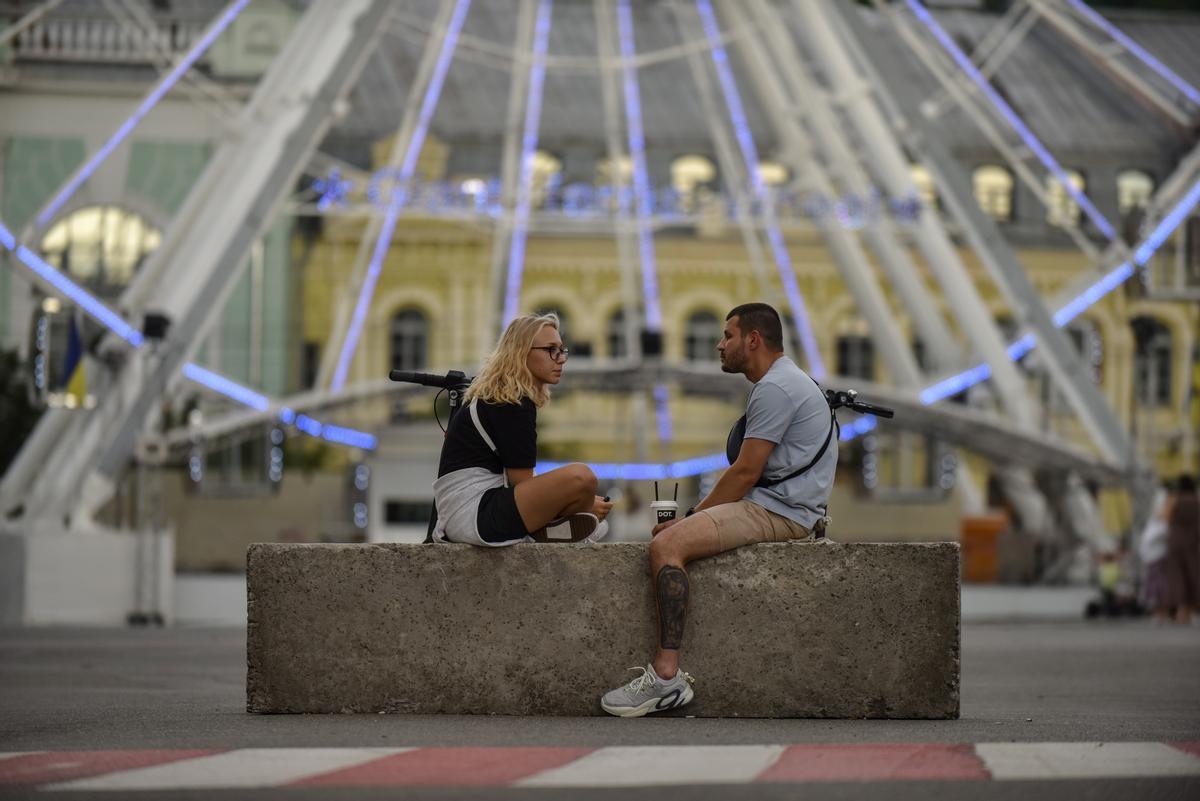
{"x": 775, "y": 630}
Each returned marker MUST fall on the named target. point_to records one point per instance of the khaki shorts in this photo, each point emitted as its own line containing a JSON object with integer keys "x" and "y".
{"x": 745, "y": 523}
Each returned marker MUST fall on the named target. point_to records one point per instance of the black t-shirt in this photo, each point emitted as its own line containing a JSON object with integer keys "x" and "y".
{"x": 513, "y": 427}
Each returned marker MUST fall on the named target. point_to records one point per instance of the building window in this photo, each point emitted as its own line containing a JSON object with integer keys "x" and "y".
{"x": 791, "y": 337}
{"x": 1191, "y": 253}
{"x": 562, "y": 319}
{"x": 856, "y": 357}
{"x": 547, "y": 175}
{"x": 689, "y": 174}
{"x": 310, "y": 364}
{"x": 624, "y": 172}
{"x": 925, "y": 186}
{"x": 704, "y": 332}
{"x": 102, "y": 246}
{"x": 1152, "y": 362}
{"x": 1090, "y": 347}
{"x": 616, "y": 336}
{"x": 772, "y": 173}
{"x": 994, "y": 191}
{"x": 410, "y": 340}
{"x": 1134, "y": 190}
{"x": 1061, "y": 208}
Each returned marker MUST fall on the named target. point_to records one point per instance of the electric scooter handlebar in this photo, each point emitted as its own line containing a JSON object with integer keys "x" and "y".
{"x": 848, "y": 398}
{"x": 453, "y": 378}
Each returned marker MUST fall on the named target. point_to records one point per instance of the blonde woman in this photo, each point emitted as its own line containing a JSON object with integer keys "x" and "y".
{"x": 486, "y": 492}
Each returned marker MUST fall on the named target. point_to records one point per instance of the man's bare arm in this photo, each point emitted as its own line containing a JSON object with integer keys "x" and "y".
{"x": 735, "y": 482}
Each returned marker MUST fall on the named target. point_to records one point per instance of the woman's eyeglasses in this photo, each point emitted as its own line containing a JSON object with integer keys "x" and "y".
{"x": 555, "y": 351}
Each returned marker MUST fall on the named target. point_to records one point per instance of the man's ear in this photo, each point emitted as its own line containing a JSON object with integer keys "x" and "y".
{"x": 754, "y": 340}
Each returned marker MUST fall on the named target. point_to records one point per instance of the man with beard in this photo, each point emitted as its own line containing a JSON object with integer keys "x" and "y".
{"x": 775, "y": 490}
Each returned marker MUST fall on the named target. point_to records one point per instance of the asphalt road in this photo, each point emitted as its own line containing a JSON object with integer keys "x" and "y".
{"x": 184, "y": 688}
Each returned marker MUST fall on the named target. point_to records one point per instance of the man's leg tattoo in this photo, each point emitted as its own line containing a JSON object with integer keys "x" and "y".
{"x": 672, "y": 590}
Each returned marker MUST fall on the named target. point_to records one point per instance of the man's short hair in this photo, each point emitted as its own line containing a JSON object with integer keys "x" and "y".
{"x": 762, "y": 318}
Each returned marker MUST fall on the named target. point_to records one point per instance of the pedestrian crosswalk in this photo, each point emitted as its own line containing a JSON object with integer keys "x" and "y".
{"x": 578, "y": 767}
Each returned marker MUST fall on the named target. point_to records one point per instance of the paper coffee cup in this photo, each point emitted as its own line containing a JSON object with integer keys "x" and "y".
{"x": 664, "y": 510}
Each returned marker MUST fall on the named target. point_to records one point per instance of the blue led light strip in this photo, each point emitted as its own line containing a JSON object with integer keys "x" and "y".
{"x": 169, "y": 80}
{"x": 193, "y": 372}
{"x": 1027, "y": 136}
{"x": 1149, "y": 60}
{"x": 228, "y": 388}
{"x": 259, "y": 402}
{"x": 745, "y": 139}
{"x": 7, "y": 239}
{"x": 529, "y": 140}
{"x": 637, "y": 156}
{"x": 616, "y": 471}
{"x": 407, "y": 167}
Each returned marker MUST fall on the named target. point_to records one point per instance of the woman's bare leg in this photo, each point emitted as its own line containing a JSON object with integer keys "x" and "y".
{"x": 565, "y": 491}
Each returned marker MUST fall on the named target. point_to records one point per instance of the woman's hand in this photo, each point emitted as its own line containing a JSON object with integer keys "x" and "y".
{"x": 601, "y": 507}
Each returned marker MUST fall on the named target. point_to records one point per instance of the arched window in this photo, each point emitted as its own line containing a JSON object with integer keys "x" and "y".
{"x": 1061, "y": 208}
{"x": 793, "y": 347}
{"x": 550, "y": 308}
{"x": 994, "y": 191}
{"x": 925, "y": 186}
{"x": 703, "y": 333}
{"x": 410, "y": 340}
{"x": 616, "y": 335}
{"x": 856, "y": 357}
{"x": 101, "y": 246}
{"x": 1152, "y": 362}
{"x": 1134, "y": 190}
{"x": 1085, "y": 336}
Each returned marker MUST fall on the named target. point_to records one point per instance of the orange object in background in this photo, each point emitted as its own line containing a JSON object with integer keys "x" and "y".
{"x": 980, "y": 542}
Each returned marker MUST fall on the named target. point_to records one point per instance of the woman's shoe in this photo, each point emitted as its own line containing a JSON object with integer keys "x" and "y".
{"x": 576, "y": 528}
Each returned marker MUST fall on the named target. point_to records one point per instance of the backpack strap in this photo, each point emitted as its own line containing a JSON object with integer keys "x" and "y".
{"x": 763, "y": 481}
{"x": 474, "y": 409}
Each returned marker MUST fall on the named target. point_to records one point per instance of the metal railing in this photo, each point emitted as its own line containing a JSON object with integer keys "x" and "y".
{"x": 103, "y": 40}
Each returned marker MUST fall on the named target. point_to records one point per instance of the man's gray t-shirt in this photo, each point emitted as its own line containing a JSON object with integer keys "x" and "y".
{"x": 788, "y": 408}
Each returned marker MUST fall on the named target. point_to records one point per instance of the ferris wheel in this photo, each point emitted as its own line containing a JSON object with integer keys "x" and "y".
{"x": 832, "y": 105}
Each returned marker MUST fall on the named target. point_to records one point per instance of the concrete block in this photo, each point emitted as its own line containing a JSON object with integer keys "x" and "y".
{"x": 821, "y": 630}
{"x": 91, "y": 577}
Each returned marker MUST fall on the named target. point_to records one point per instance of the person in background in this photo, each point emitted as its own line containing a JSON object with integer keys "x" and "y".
{"x": 1152, "y": 550}
{"x": 1183, "y": 551}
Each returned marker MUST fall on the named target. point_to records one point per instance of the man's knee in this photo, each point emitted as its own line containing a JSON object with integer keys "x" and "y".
{"x": 664, "y": 549}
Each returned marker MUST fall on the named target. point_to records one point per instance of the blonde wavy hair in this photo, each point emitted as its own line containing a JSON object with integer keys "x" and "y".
{"x": 505, "y": 376}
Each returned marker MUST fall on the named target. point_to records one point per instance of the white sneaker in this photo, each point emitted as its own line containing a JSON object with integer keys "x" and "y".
{"x": 576, "y": 528}
{"x": 648, "y": 693}
{"x": 599, "y": 534}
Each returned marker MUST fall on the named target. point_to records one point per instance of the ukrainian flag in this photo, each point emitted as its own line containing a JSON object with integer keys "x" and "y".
{"x": 74, "y": 374}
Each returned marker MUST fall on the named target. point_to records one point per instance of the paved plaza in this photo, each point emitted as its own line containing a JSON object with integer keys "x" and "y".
{"x": 1049, "y": 710}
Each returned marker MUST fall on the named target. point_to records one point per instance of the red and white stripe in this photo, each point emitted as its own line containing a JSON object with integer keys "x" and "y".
{"x": 619, "y": 766}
